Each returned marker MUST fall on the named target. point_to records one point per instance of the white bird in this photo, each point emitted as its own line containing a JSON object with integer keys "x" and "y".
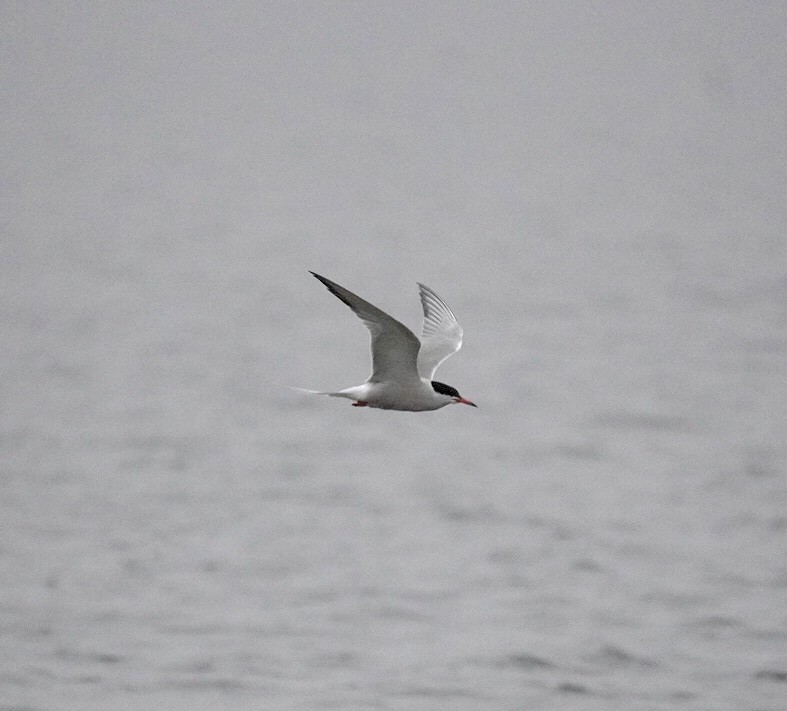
{"x": 403, "y": 366}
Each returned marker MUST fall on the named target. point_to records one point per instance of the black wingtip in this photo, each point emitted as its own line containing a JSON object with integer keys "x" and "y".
{"x": 332, "y": 288}
{"x": 324, "y": 280}
{"x": 321, "y": 278}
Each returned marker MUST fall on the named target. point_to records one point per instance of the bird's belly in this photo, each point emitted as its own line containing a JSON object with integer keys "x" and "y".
{"x": 416, "y": 398}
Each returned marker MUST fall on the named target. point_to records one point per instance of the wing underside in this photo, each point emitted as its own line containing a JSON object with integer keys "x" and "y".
{"x": 441, "y": 334}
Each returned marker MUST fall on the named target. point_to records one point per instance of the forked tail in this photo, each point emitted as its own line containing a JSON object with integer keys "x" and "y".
{"x": 320, "y": 392}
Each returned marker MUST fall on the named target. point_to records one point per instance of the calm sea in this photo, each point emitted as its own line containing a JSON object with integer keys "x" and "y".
{"x": 180, "y": 530}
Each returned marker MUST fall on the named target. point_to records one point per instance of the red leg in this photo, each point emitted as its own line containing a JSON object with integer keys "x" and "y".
{"x": 360, "y": 403}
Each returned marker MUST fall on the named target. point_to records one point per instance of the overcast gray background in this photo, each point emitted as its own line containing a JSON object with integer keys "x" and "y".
{"x": 598, "y": 191}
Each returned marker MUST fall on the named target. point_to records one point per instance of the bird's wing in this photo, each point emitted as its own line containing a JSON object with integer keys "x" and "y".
{"x": 441, "y": 335}
{"x": 394, "y": 346}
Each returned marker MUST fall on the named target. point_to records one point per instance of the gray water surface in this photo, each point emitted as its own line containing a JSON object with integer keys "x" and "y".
{"x": 598, "y": 193}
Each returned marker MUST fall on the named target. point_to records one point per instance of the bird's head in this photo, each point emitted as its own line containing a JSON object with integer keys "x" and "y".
{"x": 453, "y": 393}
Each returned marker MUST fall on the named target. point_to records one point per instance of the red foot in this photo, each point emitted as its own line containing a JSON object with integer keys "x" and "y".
{"x": 360, "y": 403}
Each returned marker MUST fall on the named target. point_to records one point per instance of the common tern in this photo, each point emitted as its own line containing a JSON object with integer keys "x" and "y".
{"x": 403, "y": 366}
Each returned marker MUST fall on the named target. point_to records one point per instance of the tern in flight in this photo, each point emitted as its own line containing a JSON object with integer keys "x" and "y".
{"x": 403, "y": 366}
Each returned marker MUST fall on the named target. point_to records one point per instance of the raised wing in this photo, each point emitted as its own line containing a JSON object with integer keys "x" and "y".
{"x": 441, "y": 335}
{"x": 394, "y": 346}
